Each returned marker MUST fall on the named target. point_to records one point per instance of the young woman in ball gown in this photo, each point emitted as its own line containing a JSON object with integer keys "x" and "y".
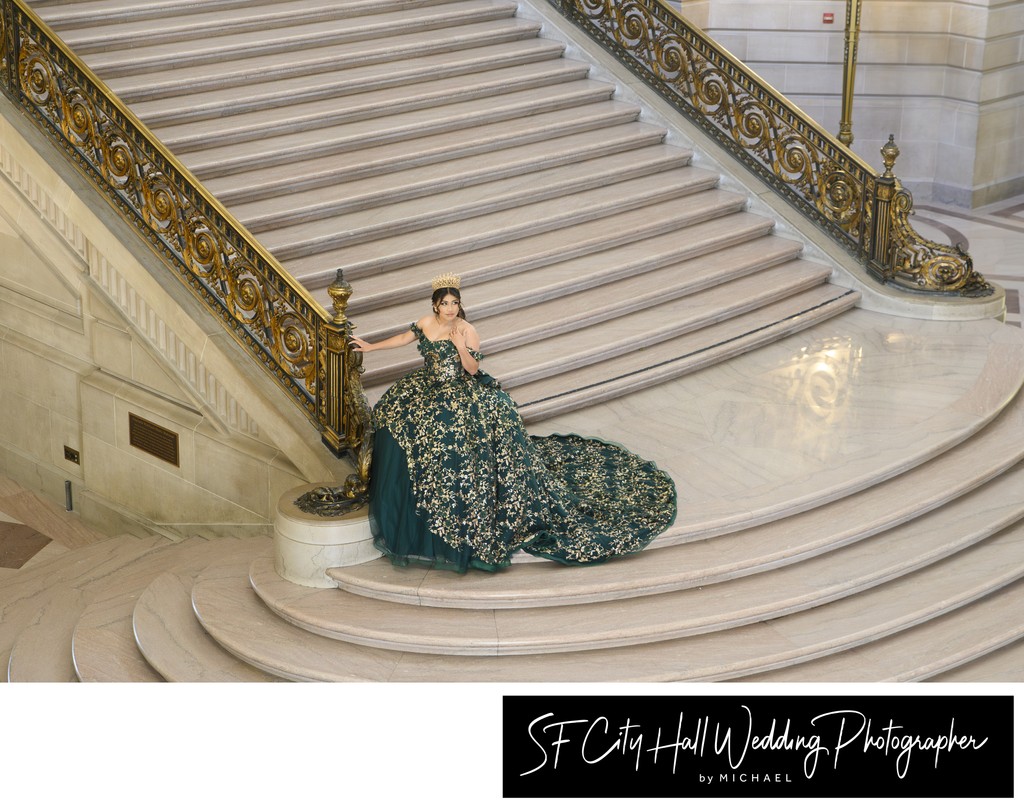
{"x": 457, "y": 482}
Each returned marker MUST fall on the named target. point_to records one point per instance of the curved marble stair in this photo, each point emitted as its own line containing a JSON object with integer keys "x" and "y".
{"x": 1005, "y": 664}
{"x": 400, "y": 140}
{"x": 909, "y": 551}
{"x": 42, "y": 652}
{"x": 42, "y": 605}
{"x": 646, "y": 618}
{"x": 70, "y": 618}
{"x": 909, "y": 571}
{"x": 104, "y": 647}
{"x": 976, "y": 644}
{"x": 235, "y": 616}
{"x": 172, "y": 641}
{"x": 680, "y": 559}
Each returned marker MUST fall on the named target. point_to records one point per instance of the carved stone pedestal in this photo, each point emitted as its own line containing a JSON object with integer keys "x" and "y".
{"x": 307, "y": 545}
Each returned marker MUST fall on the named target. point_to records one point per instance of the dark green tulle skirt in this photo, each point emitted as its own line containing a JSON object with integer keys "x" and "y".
{"x": 593, "y": 501}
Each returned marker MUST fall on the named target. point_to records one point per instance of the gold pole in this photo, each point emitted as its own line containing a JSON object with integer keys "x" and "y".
{"x": 849, "y": 70}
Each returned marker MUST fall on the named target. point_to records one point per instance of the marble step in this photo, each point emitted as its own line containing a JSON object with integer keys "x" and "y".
{"x": 536, "y": 160}
{"x": 960, "y": 527}
{"x": 670, "y": 359}
{"x": 372, "y": 162}
{"x": 1005, "y": 664}
{"x": 599, "y": 325}
{"x": 319, "y": 142}
{"x": 929, "y": 650}
{"x": 300, "y": 117}
{"x": 104, "y": 645}
{"x": 684, "y": 557}
{"x": 594, "y": 378}
{"x": 231, "y": 612}
{"x": 67, "y": 14}
{"x": 237, "y": 69}
{"x": 502, "y": 209}
{"x": 42, "y": 651}
{"x": 264, "y": 93}
{"x": 741, "y": 244}
{"x": 174, "y": 643}
{"x": 152, "y": 25}
{"x": 569, "y": 260}
{"x": 538, "y": 233}
{"x": 161, "y": 43}
{"x": 26, "y": 598}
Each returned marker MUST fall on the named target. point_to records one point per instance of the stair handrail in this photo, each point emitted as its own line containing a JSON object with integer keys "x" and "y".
{"x": 305, "y": 348}
{"x": 868, "y": 214}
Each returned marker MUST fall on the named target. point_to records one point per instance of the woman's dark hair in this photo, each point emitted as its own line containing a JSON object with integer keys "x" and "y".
{"x": 442, "y": 293}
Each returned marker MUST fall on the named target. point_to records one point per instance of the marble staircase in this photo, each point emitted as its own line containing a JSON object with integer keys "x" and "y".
{"x": 849, "y": 481}
{"x": 404, "y": 139}
{"x": 904, "y": 562}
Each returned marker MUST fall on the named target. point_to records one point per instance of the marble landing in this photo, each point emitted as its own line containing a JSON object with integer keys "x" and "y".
{"x": 815, "y": 416}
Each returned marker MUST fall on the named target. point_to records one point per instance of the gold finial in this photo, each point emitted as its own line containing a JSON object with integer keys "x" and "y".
{"x": 890, "y": 151}
{"x": 340, "y": 291}
{"x": 445, "y": 282}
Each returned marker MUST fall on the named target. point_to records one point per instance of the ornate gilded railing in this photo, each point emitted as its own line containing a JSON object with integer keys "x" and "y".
{"x": 868, "y": 214}
{"x": 305, "y": 348}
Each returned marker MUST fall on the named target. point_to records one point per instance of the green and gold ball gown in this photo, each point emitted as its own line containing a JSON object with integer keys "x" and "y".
{"x": 457, "y": 482}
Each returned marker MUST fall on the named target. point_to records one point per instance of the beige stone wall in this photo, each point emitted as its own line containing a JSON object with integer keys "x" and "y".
{"x": 944, "y": 76}
{"x": 89, "y": 333}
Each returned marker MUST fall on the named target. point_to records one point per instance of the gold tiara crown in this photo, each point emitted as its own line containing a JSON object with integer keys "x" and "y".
{"x": 445, "y": 282}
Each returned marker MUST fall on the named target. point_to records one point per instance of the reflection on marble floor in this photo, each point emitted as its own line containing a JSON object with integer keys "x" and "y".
{"x": 862, "y": 396}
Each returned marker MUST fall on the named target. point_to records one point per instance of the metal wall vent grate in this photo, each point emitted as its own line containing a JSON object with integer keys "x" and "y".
{"x": 152, "y": 438}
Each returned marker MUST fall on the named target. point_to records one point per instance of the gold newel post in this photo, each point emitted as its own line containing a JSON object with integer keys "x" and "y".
{"x": 331, "y": 389}
{"x": 849, "y": 70}
{"x": 886, "y": 187}
{"x": 344, "y": 412}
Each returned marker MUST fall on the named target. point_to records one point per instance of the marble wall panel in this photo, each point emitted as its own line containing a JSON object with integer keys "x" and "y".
{"x": 966, "y": 54}
{"x": 37, "y": 372}
{"x": 159, "y": 493}
{"x": 98, "y": 412}
{"x": 25, "y": 424}
{"x": 954, "y": 165}
{"x": 879, "y": 48}
{"x": 917, "y": 16}
{"x": 1002, "y": 52}
{"x": 1001, "y": 84}
{"x": 1006, "y": 18}
{"x": 696, "y": 11}
{"x": 152, "y": 374}
{"x": 998, "y": 122}
{"x": 769, "y": 15}
{"x": 112, "y": 348}
{"x": 234, "y": 476}
{"x": 788, "y": 47}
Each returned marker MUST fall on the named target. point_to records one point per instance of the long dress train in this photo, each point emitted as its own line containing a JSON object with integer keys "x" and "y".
{"x": 457, "y": 482}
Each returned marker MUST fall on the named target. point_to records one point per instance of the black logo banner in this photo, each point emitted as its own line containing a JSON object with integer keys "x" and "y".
{"x": 758, "y": 746}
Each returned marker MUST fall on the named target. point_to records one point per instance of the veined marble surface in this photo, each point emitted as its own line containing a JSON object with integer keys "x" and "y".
{"x": 815, "y": 416}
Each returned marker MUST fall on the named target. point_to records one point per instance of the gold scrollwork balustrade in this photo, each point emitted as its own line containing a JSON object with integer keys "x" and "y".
{"x": 865, "y": 213}
{"x": 305, "y": 348}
